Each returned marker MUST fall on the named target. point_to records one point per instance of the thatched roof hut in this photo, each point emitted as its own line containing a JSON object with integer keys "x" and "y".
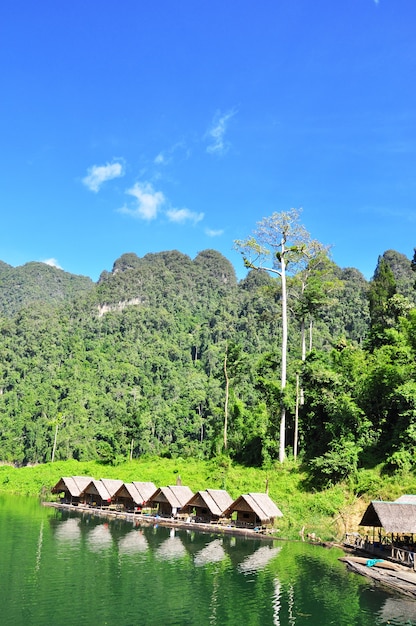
{"x": 394, "y": 517}
{"x": 208, "y": 505}
{"x": 170, "y": 500}
{"x": 72, "y": 487}
{"x": 145, "y": 490}
{"x": 134, "y": 494}
{"x": 97, "y": 494}
{"x": 112, "y": 485}
{"x": 407, "y": 499}
{"x": 253, "y": 509}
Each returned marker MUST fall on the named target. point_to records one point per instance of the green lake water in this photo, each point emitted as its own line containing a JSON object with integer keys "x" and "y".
{"x": 75, "y": 569}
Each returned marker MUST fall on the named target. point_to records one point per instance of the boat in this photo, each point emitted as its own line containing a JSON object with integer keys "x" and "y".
{"x": 384, "y": 572}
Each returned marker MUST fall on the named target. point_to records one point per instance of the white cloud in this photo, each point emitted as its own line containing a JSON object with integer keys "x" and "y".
{"x": 99, "y": 174}
{"x": 160, "y": 159}
{"x": 149, "y": 202}
{"x": 184, "y": 215}
{"x": 214, "y": 233}
{"x": 52, "y": 263}
{"x": 216, "y": 134}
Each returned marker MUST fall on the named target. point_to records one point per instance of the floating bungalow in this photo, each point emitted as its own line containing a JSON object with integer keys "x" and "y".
{"x": 170, "y": 500}
{"x": 133, "y": 496}
{"x": 96, "y": 494}
{"x": 71, "y": 487}
{"x": 394, "y": 517}
{"x": 208, "y": 506}
{"x": 407, "y": 498}
{"x": 394, "y": 527}
{"x": 177, "y": 504}
{"x": 253, "y": 510}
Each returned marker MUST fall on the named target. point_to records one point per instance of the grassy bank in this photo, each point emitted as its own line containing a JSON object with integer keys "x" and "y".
{"x": 328, "y": 513}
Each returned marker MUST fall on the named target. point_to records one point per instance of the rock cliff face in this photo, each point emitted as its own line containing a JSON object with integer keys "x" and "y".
{"x": 108, "y": 308}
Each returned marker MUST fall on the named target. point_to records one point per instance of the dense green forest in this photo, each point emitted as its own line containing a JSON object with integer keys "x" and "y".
{"x": 172, "y": 356}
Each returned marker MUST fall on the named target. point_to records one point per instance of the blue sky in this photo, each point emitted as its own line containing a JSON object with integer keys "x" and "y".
{"x": 145, "y": 126}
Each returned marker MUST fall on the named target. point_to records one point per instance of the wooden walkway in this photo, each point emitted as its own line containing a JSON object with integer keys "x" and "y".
{"x": 391, "y": 575}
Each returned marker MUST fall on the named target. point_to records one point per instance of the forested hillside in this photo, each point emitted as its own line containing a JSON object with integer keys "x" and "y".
{"x": 173, "y": 356}
{"x": 37, "y": 282}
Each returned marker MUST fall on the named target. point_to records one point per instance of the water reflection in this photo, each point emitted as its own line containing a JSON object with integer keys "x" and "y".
{"x": 68, "y": 531}
{"x": 397, "y": 610}
{"x": 99, "y": 538}
{"x": 133, "y": 542}
{"x": 120, "y": 575}
{"x": 258, "y": 560}
{"x": 172, "y": 548}
{"x": 212, "y": 553}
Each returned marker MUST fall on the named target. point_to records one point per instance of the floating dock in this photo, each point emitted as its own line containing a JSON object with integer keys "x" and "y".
{"x": 142, "y": 519}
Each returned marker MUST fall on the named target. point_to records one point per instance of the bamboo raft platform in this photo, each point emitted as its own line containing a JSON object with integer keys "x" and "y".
{"x": 386, "y": 573}
{"x": 143, "y": 519}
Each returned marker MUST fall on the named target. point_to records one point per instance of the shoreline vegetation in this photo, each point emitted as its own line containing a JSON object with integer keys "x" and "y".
{"x": 326, "y": 514}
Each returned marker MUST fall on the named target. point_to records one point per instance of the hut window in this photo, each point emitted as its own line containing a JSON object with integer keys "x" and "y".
{"x": 246, "y": 515}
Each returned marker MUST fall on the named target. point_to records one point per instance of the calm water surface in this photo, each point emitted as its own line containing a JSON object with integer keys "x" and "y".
{"x": 73, "y": 569}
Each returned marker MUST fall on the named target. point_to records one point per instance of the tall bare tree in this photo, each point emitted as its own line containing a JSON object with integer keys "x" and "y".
{"x": 277, "y": 241}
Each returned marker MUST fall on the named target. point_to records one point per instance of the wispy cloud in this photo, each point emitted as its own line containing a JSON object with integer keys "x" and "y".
{"x": 184, "y": 215}
{"x": 148, "y": 202}
{"x": 99, "y": 174}
{"x": 161, "y": 159}
{"x": 52, "y": 262}
{"x": 164, "y": 157}
{"x": 216, "y": 133}
{"x": 214, "y": 233}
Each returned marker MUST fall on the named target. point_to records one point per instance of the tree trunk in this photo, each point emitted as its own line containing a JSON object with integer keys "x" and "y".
{"x": 295, "y": 436}
{"x": 227, "y": 389}
{"x": 54, "y": 442}
{"x": 282, "y": 441}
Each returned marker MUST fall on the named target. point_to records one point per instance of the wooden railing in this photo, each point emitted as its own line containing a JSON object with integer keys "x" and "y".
{"x": 402, "y": 555}
{"x": 383, "y": 548}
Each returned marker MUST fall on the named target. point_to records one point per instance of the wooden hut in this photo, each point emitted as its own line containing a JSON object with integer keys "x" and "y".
{"x": 407, "y": 498}
{"x": 133, "y": 496}
{"x": 71, "y": 487}
{"x": 145, "y": 490}
{"x": 170, "y": 500}
{"x": 393, "y": 517}
{"x": 208, "y": 506}
{"x": 252, "y": 510}
{"x": 96, "y": 494}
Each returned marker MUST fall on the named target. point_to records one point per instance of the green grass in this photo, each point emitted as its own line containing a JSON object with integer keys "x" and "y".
{"x": 328, "y": 513}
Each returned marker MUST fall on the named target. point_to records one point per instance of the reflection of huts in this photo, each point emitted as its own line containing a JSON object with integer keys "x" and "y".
{"x": 213, "y": 552}
{"x": 68, "y": 531}
{"x": 133, "y": 542}
{"x": 170, "y": 500}
{"x": 71, "y": 487}
{"x": 170, "y": 549}
{"x": 259, "y": 559}
{"x": 209, "y": 505}
{"x": 393, "y": 517}
{"x": 99, "y": 538}
{"x": 253, "y": 509}
{"x": 134, "y": 495}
